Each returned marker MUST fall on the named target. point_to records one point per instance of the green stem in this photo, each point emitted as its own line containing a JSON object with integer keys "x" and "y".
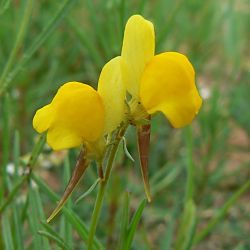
{"x": 190, "y": 166}
{"x": 19, "y": 39}
{"x": 103, "y": 184}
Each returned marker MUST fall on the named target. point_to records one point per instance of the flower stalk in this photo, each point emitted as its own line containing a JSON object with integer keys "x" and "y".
{"x": 103, "y": 184}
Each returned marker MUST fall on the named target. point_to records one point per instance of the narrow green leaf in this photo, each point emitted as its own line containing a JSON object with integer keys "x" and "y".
{"x": 168, "y": 236}
{"x": 125, "y": 149}
{"x": 36, "y": 151}
{"x": 222, "y": 212}
{"x": 33, "y": 224}
{"x": 80, "y": 227}
{"x": 21, "y": 180}
{"x": 19, "y": 39}
{"x": 92, "y": 187}
{"x": 17, "y": 227}
{"x": 166, "y": 181}
{"x": 7, "y": 235}
{"x": 35, "y": 216}
{"x": 133, "y": 225}
{"x": 13, "y": 193}
{"x": 187, "y": 227}
{"x": 5, "y": 4}
{"x": 124, "y": 221}
{"x": 16, "y": 153}
{"x": 52, "y": 237}
{"x": 52, "y": 234}
{"x": 65, "y": 226}
{"x": 6, "y": 143}
{"x": 75, "y": 221}
{"x": 47, "y": 31}
{"x": 190, "y": 165}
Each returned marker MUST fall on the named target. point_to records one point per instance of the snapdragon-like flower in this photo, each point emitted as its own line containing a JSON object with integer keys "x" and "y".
{"x": 163, "y": 82}
{"x": 157, "y": 83}
{"x": 78, "y": 114}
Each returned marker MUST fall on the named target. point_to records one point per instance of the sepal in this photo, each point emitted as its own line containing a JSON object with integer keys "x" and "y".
{"x": 79, "y": 170}
{"x": 143, "y": 138}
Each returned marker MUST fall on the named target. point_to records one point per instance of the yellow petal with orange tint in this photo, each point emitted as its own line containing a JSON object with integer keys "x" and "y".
{"x": 137, "y": 50}
{"x": 112, "y": 90}
{"x": 168, "y": 85}
{"x": 75, "y": 115}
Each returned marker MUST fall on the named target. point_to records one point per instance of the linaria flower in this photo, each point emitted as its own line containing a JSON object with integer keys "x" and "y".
{"x": 163, "y": 82}
{"x": 157, "y": 83}
{"x": 78, "y": 114}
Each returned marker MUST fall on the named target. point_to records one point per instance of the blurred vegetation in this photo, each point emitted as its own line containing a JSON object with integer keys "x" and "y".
{"x": 46, "y": 43}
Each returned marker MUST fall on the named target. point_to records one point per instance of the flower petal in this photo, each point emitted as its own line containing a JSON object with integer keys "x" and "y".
{"x": 168, "y": 85}
{"x": 42, "y": 119}
{"x": 112, "y": 90}
{"x": 137, "y": 50}
{"x": 75, "y": 115}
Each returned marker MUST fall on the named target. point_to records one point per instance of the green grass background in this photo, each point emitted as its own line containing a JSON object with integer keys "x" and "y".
{"x": 44, "y": 44}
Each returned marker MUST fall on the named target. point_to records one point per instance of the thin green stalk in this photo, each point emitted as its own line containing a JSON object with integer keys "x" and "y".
{"x": 222, "y": 212}
{"x": 103, "y": 184}
{"x": 190, "y": 166}
{"x": 19, "y": 39}
{"x": 13, "y": 193}
{"x": 6, "y": 106}
{"x": 62, "y": 11}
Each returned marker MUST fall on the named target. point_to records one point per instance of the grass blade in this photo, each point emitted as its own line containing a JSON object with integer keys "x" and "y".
{"x": 65, "y": 226}
{"x": 75, "y": 221}
{"x": 6, "y": 143}
{"x": 35, "y": 216}
{"x": 13, "y": 193}
{"x": 133, "y": 225}
{"x": 5, "y": 4}
{"x": 168, "y": 237}
{"x": 50, "y": 233}
{"x": 18, "y": 230}
{"x": 62, "y": 11}
{"x": 6, "y": 231}
{"x": 36, "y": 151}
{"x": 32, "y": 160}
{"x": 52, "y": 237}
{"x": 221, "y": 213}
{"x": 187, "y": 227}
{"x": 92, "y": 187}
{"x": 19, "y": 39}
{"x": 124, "y": 221}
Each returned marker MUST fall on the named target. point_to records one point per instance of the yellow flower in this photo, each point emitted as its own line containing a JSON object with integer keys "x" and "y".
{"x": 164, "y": 82}
{"x": 79, "y": 114}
